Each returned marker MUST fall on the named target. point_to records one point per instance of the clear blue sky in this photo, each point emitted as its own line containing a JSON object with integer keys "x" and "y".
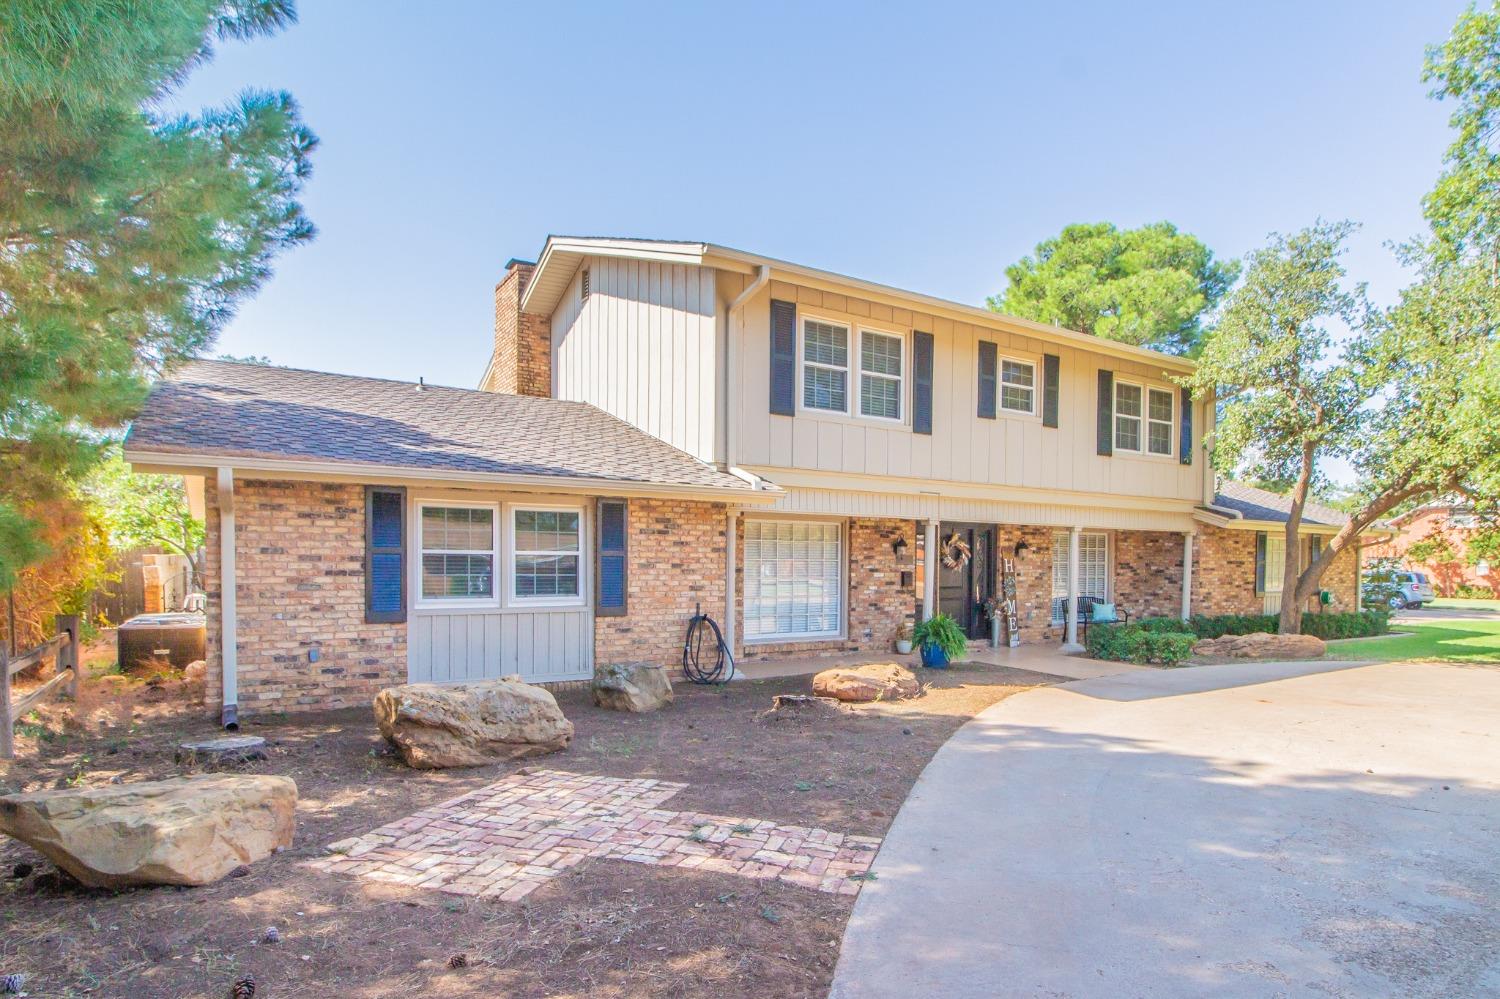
{"x": 924, "y": 146}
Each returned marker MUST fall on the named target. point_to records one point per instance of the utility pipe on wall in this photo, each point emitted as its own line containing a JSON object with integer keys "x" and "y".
{"x": 228, "y": 626}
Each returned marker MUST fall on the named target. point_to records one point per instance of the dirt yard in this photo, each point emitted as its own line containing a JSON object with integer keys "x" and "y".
{"x": 604, "y": 929}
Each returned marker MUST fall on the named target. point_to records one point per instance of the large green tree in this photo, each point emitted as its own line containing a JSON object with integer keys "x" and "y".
{"x": 140, "y": 510}
{"x": 1150, "y": 286}
{"x": 128, "y": 236}
{"x": 1463, "y": 208}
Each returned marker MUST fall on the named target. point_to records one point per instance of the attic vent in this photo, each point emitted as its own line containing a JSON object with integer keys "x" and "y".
{"x": 583, "y": 286}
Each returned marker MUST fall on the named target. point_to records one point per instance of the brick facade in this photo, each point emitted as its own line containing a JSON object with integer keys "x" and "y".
{"x": 1224, "y": 575}
{"x": 1148, "y": 573}
{"x": 521, "y": 362}
{"x": 676, "y": 564}
{"x": 1033, "y": 580}
{"x": 300, "y": 586}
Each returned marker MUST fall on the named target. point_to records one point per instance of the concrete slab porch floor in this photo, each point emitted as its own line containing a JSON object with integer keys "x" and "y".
{"x": 1035, "y": 658}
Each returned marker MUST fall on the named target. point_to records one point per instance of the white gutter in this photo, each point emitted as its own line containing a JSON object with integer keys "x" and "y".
{"x": 228, "y": 620}
{"x": 762, "y": 279}
{"x": 174, "y": 463}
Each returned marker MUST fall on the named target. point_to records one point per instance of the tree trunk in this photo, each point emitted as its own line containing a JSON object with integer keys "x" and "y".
{"x": 1378, "y": 507}
{"x": 1291, "y": 603}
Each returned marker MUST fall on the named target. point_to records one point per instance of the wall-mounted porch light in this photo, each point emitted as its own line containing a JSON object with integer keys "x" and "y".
{"x": 1021, "y": 548}
{"x": 898, "y": 547}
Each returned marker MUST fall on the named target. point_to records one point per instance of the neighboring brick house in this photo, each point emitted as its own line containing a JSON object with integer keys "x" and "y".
{"x": 814, "y": 460}
{"x": 1446, "y": 527}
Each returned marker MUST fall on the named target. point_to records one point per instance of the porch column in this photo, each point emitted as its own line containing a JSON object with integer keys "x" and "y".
{"x": 228, "y": 626}
{"x": 929, "y": 570}
{"x": 1070, "y": 643}
{"x": 1187, "y": 574}
{"x": 731, "y": 559}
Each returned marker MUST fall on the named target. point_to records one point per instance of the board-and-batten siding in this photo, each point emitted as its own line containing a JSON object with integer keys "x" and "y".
{"x": 643, "y": 347}
{"x": 540, "y": 645}
{"x": 1008, "y": 450}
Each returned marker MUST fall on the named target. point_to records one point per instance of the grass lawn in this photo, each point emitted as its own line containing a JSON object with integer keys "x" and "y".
{"x": 1460, "y": 603}
{"x": 1458, "y": 641}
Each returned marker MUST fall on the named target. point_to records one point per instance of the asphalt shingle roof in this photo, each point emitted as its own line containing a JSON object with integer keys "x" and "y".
{"x": 1260, "y": 504}
{"x": 233, "y": 409}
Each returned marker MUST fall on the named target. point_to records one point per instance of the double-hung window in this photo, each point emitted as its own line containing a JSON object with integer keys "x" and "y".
{"x": 1093, "y": 570}
{"x": 881, "y": 374}
{"x": 825, "y": 366}
{"x": 1159, "y": 407}
{"x": 545, "y": 553}
{"x": 1127, "y": 416}
{"x": 793, "y": 579}
{"x": 459, "y": 545}
{"x": 1017, "y": 386}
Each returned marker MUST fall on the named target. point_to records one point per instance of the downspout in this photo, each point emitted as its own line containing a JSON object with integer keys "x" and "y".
{"x": 228, "y": 623}
{"x": 731, "y": 520}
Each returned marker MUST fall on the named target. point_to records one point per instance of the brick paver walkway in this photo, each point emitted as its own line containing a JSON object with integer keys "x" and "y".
{"x": 506, "y": 840}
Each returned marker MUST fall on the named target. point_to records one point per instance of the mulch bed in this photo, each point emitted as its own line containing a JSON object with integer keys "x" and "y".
{"x": 605, "y": 929}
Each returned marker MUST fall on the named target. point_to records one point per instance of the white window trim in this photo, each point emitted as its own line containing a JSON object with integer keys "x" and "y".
{"x": 850, "y": 349}
{"x": 584, "y": 583}
{"x": 859, "y": 370}
{"x": 1116, "y": 415}
{"x": 1275, "y": 577}
{"x": 1000, "y": 405}
{"x": 1170, "y": 421}
{"x": 842, "y": 631}
{"x": 479, "y": 603}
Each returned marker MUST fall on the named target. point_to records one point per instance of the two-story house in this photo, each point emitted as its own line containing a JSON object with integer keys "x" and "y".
{"x": 813, "y": 459}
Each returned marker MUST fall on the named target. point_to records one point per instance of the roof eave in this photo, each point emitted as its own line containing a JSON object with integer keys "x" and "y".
{"x": 561, "y": 256}
{"x": 190, "y": 463}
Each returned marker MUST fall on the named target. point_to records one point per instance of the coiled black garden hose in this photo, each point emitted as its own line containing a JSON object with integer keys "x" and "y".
{"x": 705, "y": 657}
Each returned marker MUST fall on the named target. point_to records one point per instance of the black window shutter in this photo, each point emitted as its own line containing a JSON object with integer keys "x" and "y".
{"x": 783, "y": 358}
{"x": 612, "y": 559}
{"x": 385, "y": 554}
{"x": 1185, "y": 445}
{"x": 987, "y": 376}
{"x": 1051, "y": 376}
{"x": 1106, "y": 427}
{"x": 921, "y": 416}
{"x": 1260, "y": 561}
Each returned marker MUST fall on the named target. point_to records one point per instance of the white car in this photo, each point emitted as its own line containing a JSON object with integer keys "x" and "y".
{"x": 1413, "y": 589}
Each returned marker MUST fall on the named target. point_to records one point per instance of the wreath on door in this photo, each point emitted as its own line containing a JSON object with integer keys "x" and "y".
{"x": 956, "y": 553}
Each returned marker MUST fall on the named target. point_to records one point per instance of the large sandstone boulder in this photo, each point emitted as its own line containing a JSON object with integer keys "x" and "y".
{"x": 875, "y": 682}
{"x": 1262, "y": 645}
{"x": 183, "y": 831}
{"x": 635, "y": 687}
{"x": 471, "y": 724}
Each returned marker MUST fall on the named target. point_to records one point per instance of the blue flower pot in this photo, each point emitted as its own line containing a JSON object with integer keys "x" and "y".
{"x": 933, "y": 656}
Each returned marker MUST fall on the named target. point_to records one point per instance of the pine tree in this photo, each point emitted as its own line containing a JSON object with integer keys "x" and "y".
{"x": 127, "y": 236}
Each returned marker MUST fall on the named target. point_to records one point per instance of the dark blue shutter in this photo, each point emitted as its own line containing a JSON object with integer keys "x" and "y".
{"x": 1106, "y": 420}
{"x": 783, "y": 358}
{"x": 1260, "y": 562}
{"x": 612, "y": 569}
{"x": 987, "y": 377}
{"x": 1051, "y": 376}
{"x": 921, "y": 406}
{"x": 1185, "y": 444}
{"x": 385, "y": 554}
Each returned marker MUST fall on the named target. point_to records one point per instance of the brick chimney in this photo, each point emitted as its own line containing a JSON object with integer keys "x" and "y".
{"x": 521, "y": 362}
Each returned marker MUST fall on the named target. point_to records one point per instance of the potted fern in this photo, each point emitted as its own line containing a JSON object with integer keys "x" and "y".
{"x": 941, "y": 641}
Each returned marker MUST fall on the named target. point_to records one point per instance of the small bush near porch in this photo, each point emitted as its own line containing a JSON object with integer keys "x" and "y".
{"x": 1168, "y": 641}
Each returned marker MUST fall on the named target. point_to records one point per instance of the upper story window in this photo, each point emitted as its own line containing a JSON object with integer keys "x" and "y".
{"x": 1017, "y": 386}
{"x": 1159, "y": 409}
{"x": 1127, "y": 417}
{"x": 459, "y": 546}
{"x": 825, "y": 366}
{"x": 881, "y": 374}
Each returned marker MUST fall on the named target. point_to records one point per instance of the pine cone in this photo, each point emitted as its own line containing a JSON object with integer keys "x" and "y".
{"x": 458, "y": 961}
{"x": 272, "y": 935}
{"x": 12, "y": 984}
{"x": 243, "y": 989}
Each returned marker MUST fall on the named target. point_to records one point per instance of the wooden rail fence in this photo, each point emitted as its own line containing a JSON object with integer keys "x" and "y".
{"x": 64, "y": 645}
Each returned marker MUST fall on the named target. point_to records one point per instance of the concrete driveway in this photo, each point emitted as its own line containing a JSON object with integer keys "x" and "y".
{"x": 1314, "y": 829}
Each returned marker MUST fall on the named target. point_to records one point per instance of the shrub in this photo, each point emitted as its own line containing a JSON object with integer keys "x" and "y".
{"x": 1375, "y": 621}
{"x": 1137, "y": 644}
{"x": 1469, "y": 591}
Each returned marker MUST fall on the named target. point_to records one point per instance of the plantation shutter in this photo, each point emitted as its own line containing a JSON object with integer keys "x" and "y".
{"x": 1185, "y": 445}
{"x": 921, "y": 417}
{"x": 1260, "y": 562}
{"x": 385, "y": 554}
{"x": 1051, "y": 376}
{"x": 611, "y": 559}
{"x": 987, "y": 380}
{"x": 783, "y": 358}
{"x": 1106, "y": 441}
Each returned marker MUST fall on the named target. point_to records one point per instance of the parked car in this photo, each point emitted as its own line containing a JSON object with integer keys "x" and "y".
{"x": 1400, "y": 590}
